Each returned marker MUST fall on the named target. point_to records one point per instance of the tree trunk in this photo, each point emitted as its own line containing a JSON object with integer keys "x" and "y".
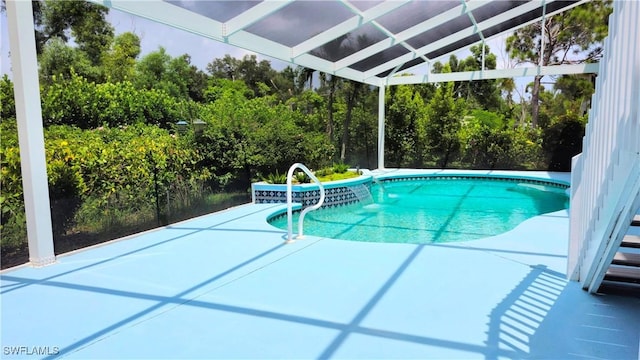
{"x": 310, "y": 79}
{"x": 332, "y": 91}
{"x": 535, "y": 101}
{"x": 445, "y": 160}
{"x": 523, "y": 113}
{"x": 347, "y": 121}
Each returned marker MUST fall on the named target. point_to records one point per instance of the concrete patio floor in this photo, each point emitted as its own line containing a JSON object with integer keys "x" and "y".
{"x": 226, "y": 286}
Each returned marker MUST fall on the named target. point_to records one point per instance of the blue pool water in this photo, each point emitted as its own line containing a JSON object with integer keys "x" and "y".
{"x": 434, "y": 210}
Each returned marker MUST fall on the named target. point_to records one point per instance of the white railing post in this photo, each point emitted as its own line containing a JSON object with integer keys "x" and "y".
{"x": 575, "y": 224}
{"x": 290, "y": 201}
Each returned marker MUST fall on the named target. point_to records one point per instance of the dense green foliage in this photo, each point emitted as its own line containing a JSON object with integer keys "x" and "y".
{"x": 117, "y": 160}
{"x": 444, "y": 120}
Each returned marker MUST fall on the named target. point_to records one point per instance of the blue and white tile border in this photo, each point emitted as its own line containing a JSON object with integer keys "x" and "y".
{"x": 337, "y": 193}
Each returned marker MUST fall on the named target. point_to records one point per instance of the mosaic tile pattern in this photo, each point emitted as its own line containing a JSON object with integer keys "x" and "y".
{"x": 460, "y": 177}
{"x": 337, "y": 196}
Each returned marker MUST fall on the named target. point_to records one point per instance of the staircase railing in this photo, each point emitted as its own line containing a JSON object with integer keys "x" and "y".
{"x": 290, "y": 201}
{"x": 627, "y": 203}
{"x": 604, "y": 176}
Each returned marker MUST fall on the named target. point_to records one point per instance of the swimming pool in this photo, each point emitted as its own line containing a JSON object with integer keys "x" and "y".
{"x": 434, "y": 210}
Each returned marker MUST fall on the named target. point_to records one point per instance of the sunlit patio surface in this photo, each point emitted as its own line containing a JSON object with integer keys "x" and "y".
{"x": 226, "y": 286}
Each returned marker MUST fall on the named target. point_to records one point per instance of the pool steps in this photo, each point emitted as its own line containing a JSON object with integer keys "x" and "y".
{"x": 623, "y": 275}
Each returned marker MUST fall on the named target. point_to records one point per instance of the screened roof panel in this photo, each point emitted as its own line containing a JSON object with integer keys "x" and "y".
{"x": 223, "y": 10}
{"x": 526, "y": 17}
{"x": 441, "y": 31}
{"x": 454, "y": 46}
{"x": 405, "y": 66}
{"x": 414, "y": 13}
{"x": 362, "y": 40}
{"x": 349, "y": 43}
{"x": 521, "y": 18}
{"x": 299, "y": 21}
{"x": 495, "y": 7}
{"x": 380, "y": 58}
{"x": 559, "y": 5}
{"x": 363, "y": 5}
{"x": 496, "y": 29}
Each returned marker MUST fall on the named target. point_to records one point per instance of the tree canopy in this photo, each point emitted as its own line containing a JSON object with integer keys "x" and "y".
{"x": 571, "y": 37}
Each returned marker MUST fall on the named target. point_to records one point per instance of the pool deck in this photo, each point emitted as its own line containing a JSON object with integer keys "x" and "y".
{"x": 225, "y": 285}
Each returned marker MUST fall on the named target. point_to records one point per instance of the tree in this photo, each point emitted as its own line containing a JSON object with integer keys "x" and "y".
{"x": 225, "y": 68}
{"x": 484, "y": 93}
{"x": 405, "y": 112}
{"x": 285, "y": 85}
{"x": 508, "y": 85}
{"x": 249, "y": 70}
{"x": 86, "y": 21}
{"x": 151, "y": 69}
{"x": 56, "y": 23}
{"x": 175, "y": 76}
{"x": 333, "y": 84}
{"x": 361, "y": 141}
{"x": 120, "y": 60}
{"x": 562, "y": 140}
{"x": 7, "y": 100}
{"x": 61, "y": 60}
{"x": 571, "y": 37}
{"x": 444, "y": 117}
{"x": 353, "y": 91}
{"x": 331, "y": 50}
{"x": 305, "y": 76}
{"x": 577, "y": 89}
{"x": 489, "y": 142}
{"x": 190, "y": 80}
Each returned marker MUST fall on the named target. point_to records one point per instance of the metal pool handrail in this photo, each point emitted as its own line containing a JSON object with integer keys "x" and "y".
{"x": 290, "y": 201}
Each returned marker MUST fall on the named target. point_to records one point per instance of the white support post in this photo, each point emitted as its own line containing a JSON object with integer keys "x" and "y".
{"x": 381, "y": 94}
{"x": 30, "y": 133}
{"x": 542, "y": 34}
